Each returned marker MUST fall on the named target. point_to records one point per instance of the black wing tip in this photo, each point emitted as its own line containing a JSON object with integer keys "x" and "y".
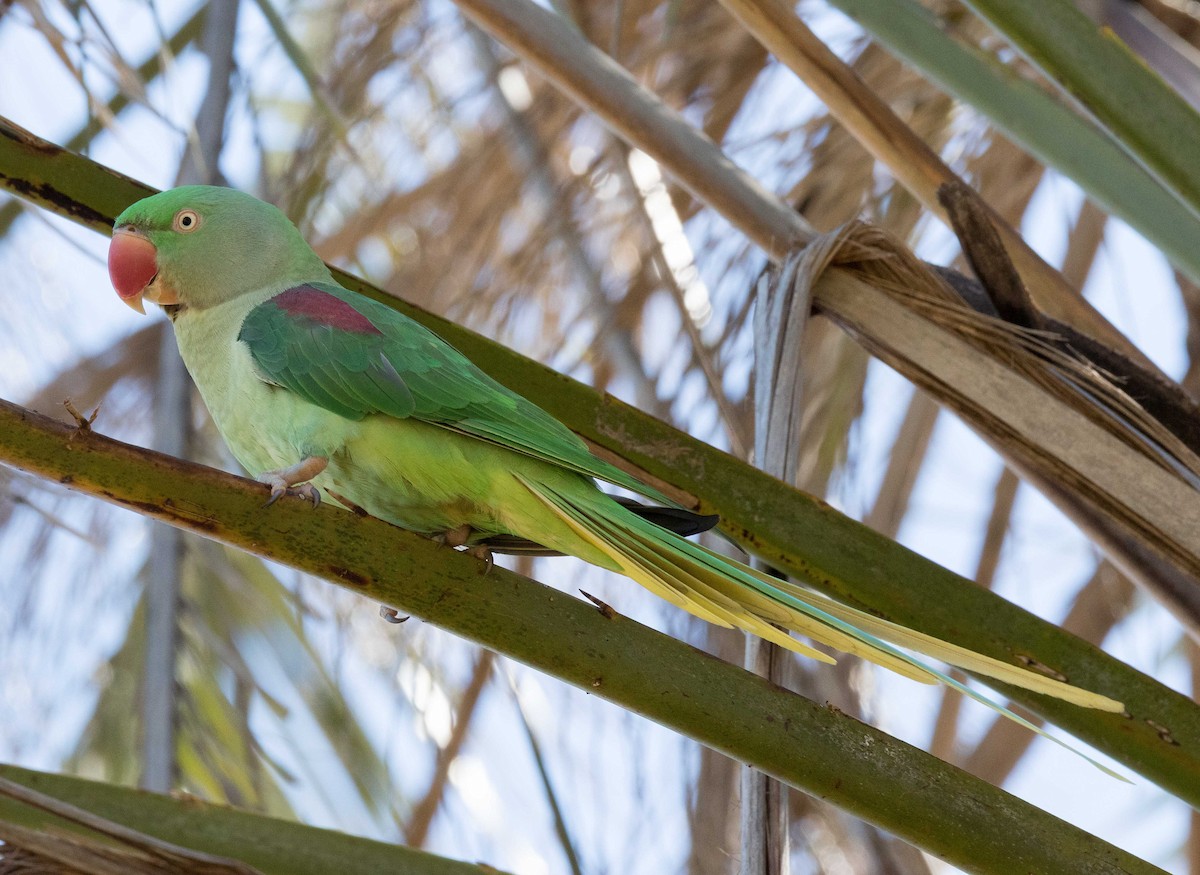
{"x": 675, "y": 519}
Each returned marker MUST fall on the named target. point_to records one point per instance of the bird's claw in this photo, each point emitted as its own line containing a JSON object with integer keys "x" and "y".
{"x": 481, "y": 551}
{"x": 457, "y": 537}
{"x": 280, "y": 488}
{"x": 294, "y": 480}
{"x": 391, "y": 614}
{"x": 460, "y": 537}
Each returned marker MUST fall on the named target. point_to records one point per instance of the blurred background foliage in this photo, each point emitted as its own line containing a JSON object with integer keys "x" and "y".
{"x": 414, "y": 151}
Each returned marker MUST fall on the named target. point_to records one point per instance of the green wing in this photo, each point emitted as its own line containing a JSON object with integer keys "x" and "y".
{"x": 354, "y": 356}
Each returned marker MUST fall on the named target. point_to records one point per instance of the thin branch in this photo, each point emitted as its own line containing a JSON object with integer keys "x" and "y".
{"x": 565, "y": 840}
{"x": 904, "y": 464}
{"x": 145, "y": 73}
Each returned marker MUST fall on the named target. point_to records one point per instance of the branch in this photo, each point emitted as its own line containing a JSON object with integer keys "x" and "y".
{"x": 813, "y": 748}
{"x": 275, "y": 847}
{"x": 787, "y": 528}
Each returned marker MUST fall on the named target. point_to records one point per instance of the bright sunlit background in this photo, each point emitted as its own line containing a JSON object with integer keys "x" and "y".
{"x": 401, "y": 142}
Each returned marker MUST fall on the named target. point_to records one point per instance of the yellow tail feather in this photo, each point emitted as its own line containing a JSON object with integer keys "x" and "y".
{"x": 705, "y": 584}
{"x": 708, "y": 592}
{"x": 953, "y": 654}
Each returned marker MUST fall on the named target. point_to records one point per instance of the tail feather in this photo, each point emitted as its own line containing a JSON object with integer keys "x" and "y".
{"x": 702, "y": 590}
{"x": 671, "y": 583}
{"x": 752, "y": 609}
{"x": 682, "y": 522}
{"x": 728, "y": 593}
{"x": 668, "y": 589}
{"x": 714, "y": 580}
{"x": 957, "y": 656}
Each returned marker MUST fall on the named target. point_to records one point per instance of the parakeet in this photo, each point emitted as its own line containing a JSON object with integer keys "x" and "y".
{"x": 315, "y": 387}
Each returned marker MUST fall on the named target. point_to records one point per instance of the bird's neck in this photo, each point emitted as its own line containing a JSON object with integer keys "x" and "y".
{"x": 210, "y": 334}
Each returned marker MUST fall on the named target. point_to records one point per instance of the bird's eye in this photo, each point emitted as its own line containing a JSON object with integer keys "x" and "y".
{"x": 186, "y": 220}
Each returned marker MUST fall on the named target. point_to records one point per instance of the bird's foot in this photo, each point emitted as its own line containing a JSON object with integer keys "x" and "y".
{"x": 481, "y": 551}
{"x": 391, "y": 614}
{"x": 294, "y": 480}
{"x": 455, "y": 537}
{"x": 460, "y": 537}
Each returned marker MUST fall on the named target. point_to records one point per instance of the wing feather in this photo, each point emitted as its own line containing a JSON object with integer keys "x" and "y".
{"x": 355, "y": 357}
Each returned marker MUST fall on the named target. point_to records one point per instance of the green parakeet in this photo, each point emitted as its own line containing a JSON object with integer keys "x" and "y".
{"x": 315, "y": 387}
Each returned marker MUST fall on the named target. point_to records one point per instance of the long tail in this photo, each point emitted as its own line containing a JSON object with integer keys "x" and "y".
{"x": 727, "y": 593}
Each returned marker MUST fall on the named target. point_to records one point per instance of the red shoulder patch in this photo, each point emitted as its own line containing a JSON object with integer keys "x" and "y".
{"x": 324, "y": 308}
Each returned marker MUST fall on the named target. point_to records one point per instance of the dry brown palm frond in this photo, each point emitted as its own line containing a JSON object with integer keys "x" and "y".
{"x": 1032, "y": 352}
{"x": 90, "y": 55}
{"x": 1119, "y": 497}
{"x": 841, "y": 185}
{"x": 1180, "y": 17}
{"x": 1006, "y": 177}
{"x": 363, "y": 46}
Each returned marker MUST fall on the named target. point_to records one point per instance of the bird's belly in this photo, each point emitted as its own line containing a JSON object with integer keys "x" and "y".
{"x": 268, "y": 428}
{"x": 415, "y": 475}
{"x": 418, "y": 476}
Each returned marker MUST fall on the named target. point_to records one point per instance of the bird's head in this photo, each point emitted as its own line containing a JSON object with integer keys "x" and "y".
{"x": 199, "y": 245}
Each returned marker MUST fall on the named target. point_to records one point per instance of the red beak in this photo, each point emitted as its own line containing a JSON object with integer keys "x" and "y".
{"x": 132, "y": 265}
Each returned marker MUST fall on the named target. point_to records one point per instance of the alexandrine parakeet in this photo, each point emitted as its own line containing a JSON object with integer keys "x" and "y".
{"x": 315, "y": 387}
